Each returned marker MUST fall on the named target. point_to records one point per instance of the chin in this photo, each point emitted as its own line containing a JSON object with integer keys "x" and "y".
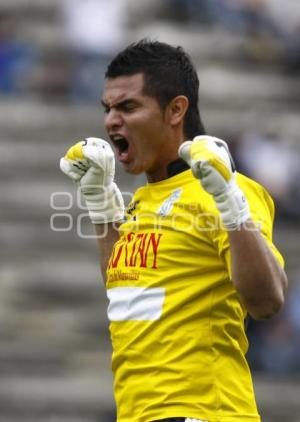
{"x": 133, "y": 170}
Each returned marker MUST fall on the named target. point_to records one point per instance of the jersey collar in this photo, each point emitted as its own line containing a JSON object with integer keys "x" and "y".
{"x": 177, "y": 166}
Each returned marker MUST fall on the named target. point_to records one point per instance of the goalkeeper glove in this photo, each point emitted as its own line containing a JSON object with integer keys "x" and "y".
{"x": 91, "y": 164}
{"x": 211, "y": 163}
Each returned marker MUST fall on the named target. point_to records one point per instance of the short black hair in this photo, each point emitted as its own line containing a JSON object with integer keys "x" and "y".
{"x": 168, "y": 72}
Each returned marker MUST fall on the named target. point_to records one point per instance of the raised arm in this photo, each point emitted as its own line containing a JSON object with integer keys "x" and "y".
{"x": 256, "y": 273}
{"x": 106, "y": 238}
{"x": 90, "y": 163}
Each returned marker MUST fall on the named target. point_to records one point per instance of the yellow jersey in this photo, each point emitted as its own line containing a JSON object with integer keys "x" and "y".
{"x": 176, "y": 320}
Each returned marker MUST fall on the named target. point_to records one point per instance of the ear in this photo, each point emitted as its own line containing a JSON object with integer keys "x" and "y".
{"x": 176, "y": 109}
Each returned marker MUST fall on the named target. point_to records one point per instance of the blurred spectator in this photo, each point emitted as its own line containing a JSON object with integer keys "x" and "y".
{"x": 286, "y": 14}
{"x": 95, "y": 30}
{"x": 249, "y": 16}
{"x": 191, "y": 11}
{"x": 51, "y": 79}
{"x": 293, "y": 309}
{"x": 273, "y": 27}
{"x": 237, "y": 15}
{"x": 275, "y": 344}
{"x": 268, "y": 159}
{"x": 17, "y": 58}
{"x": 270, "y": 35}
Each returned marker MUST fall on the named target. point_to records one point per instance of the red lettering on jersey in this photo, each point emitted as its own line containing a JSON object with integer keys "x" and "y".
{"x": 116, "y": 254}
{"x": 154, "y": 243}
{"x": 130, "y": 236}
{"x": 140, "y": 243}
{"x": 132, "y": 257}
{"x": 137, "y": 251}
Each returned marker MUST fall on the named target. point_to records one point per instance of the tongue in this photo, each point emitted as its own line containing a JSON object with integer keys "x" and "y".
{"x": 123, "y": 155}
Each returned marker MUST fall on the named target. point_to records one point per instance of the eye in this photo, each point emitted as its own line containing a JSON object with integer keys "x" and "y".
{"x": 105, "y": 106}
{"x": 128, "y": 106}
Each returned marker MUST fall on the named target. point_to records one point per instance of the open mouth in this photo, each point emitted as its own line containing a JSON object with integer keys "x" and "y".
{"x": 121, "y": 145}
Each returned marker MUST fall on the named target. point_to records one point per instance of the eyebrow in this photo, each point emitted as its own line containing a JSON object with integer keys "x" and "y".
{"x": 118, "y": 104}
{"x": 104, "y": 104}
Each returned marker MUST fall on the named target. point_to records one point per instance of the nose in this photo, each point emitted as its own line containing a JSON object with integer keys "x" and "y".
{"x": 113, "y": 120}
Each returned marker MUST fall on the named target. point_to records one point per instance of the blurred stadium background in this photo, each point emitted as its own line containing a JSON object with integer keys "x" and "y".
{"x": 55, "y": 350}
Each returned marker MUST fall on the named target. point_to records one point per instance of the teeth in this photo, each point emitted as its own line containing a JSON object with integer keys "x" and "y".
{"x": 118, "y": 138}
{"x": 121, "y": 144}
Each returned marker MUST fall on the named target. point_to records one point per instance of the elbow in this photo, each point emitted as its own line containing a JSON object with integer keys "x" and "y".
{"x": 266, "y": 308}
{"x": 266, "y": 305}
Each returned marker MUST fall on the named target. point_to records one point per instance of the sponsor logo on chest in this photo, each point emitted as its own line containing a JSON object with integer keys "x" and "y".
{"x": 167, "y": 205}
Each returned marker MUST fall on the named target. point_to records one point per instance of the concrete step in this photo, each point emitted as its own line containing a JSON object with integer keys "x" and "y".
{"x": 278, "y": 398}
{"x": 76, "y": 273}
{"x": 24, "y": 118}
{"x": 48, "y": 359}
{"x": 29, "y": 238}
{"x": 224, "y": 83}
{"x": 83, "y": 396}
{"x": 39, "y": 198}
{"x": 43, "y": 6}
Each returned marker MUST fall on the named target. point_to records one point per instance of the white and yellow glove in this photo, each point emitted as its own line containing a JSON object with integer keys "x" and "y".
{"x": 91, "y": 164}
{"x": 211, "y": 163}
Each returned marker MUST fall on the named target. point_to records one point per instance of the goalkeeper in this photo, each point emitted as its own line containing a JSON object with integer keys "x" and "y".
{"x": 190, "y": 256}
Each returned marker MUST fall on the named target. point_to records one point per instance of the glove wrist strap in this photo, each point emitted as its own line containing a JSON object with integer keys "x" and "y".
{"x": 233, "y": 207}
{"x": 106, "y": 205}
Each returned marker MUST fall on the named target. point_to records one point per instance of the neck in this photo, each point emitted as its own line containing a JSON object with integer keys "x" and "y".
{"x": 157, "y": 175}
{"x": 173, "y": 168}
{"x": 167, "y": 156}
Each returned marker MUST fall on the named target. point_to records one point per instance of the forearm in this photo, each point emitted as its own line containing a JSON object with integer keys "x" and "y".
{"x": 107, "y": 235}
{"x": 256, "y": 273}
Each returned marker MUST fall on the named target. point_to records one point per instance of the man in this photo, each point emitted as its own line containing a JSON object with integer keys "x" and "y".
{"x": 188, "y": 260}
